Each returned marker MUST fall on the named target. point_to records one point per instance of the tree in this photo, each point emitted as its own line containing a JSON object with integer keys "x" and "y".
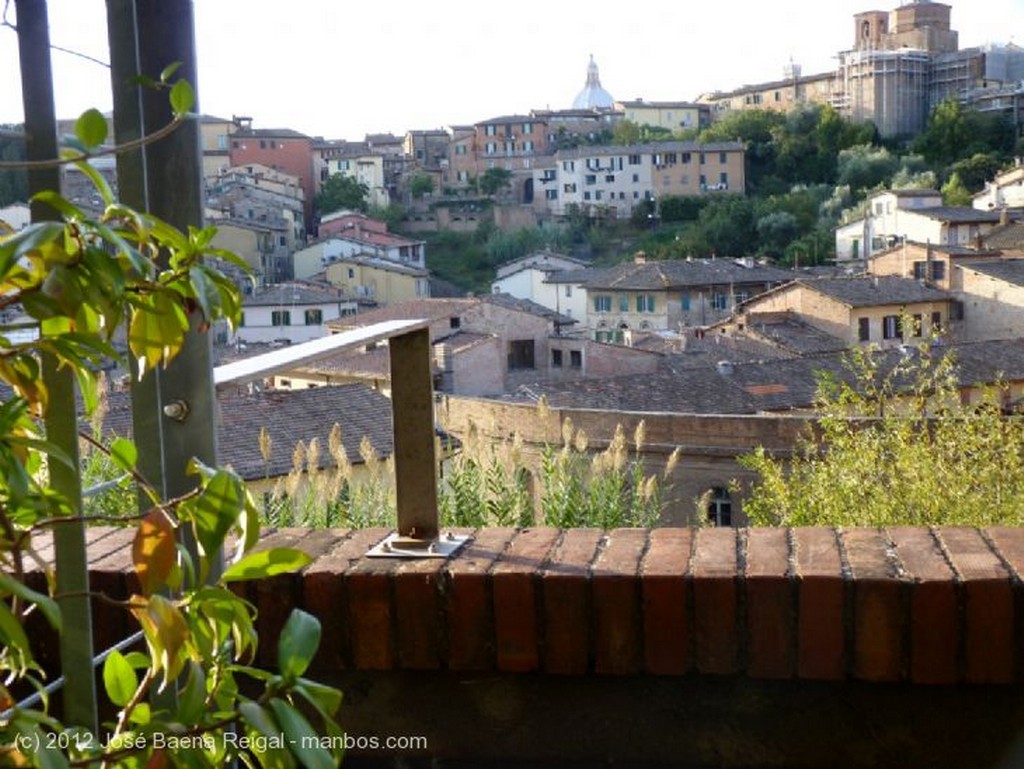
{"x": 494, "y": 179}
{"x": 342, "y": 193}
{"x": 954, "y": 193}
{"x": 865, "y": 167}
{"x": 896, "y": 445}
{"x": 80, "y": 281}
{"x": 420, "y": 185}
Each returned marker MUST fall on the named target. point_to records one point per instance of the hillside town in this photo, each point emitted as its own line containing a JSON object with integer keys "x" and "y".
{"x": 717, "y": 337}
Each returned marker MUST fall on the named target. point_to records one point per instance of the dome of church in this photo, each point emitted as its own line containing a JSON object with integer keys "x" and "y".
{"x": 593, "y": 95}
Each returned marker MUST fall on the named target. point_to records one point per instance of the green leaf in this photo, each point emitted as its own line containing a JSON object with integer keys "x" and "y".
{"x": 46, "y": 604}
{"x": 266, "y": 563}
{"x": 258, "y": 718}
{"x": 102, "y": 187}
{"x": 182, "y": 98}
{"x": 299, "y": 641}
{"x": 32, "y": 237}
{"x": 60, "y": 204}
{"x": 215, "y": 509}
{"x": 192, "y": 700}
{"x": 169, "y": 70}
{"x": 156, "y": 331}
{"x": 326, "y": 699}
{"x": 11, "y": 631}
{"x": 124, "y": 453}
{"x": 119, "y": 679}
{"x": 91, "y": 128}
{"x": 302, "y": 740}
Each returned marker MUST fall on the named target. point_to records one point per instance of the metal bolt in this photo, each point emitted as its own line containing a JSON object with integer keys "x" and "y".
{"x": 176, "y": 410}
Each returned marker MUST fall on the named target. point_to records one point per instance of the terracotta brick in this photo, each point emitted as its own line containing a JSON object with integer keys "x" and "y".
{"x": 419, "y": 613}
{"x": 275, "y": 596}
{"x": 615, "y": 591}
{"x": 371, "y": 614}
{"x": 988, "y": 605}
{"x": 470, "y": 615}
{"x": 1009, "y": 544}
{"x": 715, "y": 601}
{"x": 564, "y": 581}
{"x": 934, "y": 628}
{"x": 821, "y": 637}
{"x": 324, "y": 594}
{"x": 878, "y": 626}
{"x": 516, "y": 602}
{"x": 666, "y": 626}
{"x": 770, "y": 605}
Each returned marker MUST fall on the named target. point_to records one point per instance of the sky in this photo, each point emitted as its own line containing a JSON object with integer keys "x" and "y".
{"x": 340, "y": 70}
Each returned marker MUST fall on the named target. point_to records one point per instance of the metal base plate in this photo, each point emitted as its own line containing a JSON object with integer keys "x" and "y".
{"x": 397, "y": 546}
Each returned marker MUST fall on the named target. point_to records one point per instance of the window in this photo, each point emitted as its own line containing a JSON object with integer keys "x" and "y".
{"x": 938, "y": 271}
{"x": 687, "y": 157}
{"x": 351, "y": 273}
{"x": 551, "y": 194}
{"x": 556, "y": 358}
{"x": 241, "y": 320}
{"x": 586, "y": 196}
{"x": 636, "y": 178}
{"x": 602, "y": 303}
{"x": 623, "y": 303}
{"x": 520, "y": 354}
{"x": 609, "y": 178}
{"x": 936, "y": 322}
{"x": 280, "y": 318}
{"x": 891, "y": 327}
{"x": 702, "y": 159}
{"x": 590, "y": 179}
{"x": 917, "y": 322}
{"x": 568, "y": 290}
{"x": 634, "y": 160}
{"x": 527, "y": 128}
{"x": 919, "y": 270}
{"x": 598, "y": 195}
{"x": 568, "y": 165}
{"x": 569, "y": 188}
{"x": 722, "y": 158}
{"x": 527, "y": 146}
{"x": 719, "y": 301}
{"x": 490, "y": 148}
{"x": 645, "y": 303}
{"x": 703, "y": 182}
{"x": 720, "y": 507}
{"x": 864, "y": 329}
{"x": 491, "y": 130}
{"x": 576, "y": 358}
{"x": 314, "y": 317}
{"x": 685, "y": 303}
{"x": 723, "y": 180}
{"x": 460, "y": 149}
{"x": 455, "y": 322}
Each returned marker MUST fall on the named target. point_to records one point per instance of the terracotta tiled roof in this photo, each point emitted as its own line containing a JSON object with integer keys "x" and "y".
{"x": 289, "y": 417}
{"x": 677, "y": 273}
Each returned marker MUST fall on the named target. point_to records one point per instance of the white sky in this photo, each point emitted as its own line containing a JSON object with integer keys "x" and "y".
{"x": 341, "y": 69}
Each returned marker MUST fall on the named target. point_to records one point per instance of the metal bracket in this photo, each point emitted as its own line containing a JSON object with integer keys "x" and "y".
{"x": 397, "y": 546}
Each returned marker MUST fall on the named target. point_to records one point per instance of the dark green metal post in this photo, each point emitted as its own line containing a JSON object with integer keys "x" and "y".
{"x": 165, "y": 179}
{"x": 60, "y": 422}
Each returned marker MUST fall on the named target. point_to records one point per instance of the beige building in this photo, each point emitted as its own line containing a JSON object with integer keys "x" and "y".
{"x": 670, "y": 295}
{"x": 671, "y": 115}
{"x": 991, "y": 292}
{"x": 858, "y": 311}
{"x": 609, "y": 181}
{"x": 383, "y": 281}
{"x": 1006, "y": 190}
{"x": 214, "y": 137}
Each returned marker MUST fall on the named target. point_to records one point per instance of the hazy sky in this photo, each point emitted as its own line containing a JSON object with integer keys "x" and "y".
{"x": 340, "y": 69}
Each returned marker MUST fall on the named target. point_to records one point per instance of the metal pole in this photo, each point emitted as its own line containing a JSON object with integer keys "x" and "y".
{"x": 165, "y": 179}
{"x": 412, "y": 404}
{"x": 76, "y": 648}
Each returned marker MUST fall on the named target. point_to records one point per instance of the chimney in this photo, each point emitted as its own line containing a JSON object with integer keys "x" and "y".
{"x": 640, "y": 257}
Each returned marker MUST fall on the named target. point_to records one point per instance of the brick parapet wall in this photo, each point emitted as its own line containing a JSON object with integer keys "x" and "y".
{"x": 912, "y": 605}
